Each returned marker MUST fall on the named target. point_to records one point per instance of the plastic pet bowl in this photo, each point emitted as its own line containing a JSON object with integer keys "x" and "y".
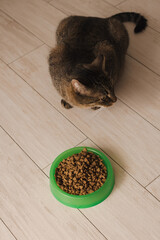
{"x": 82, "y": 201}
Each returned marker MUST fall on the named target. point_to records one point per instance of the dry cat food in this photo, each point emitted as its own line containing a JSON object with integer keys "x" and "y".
{"x": 81, "y": 173}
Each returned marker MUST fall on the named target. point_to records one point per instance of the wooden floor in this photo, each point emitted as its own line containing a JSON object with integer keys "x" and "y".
{"x": 35, "y": 128}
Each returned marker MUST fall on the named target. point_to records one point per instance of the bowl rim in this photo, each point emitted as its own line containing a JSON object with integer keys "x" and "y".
{"x": 56, "y": 190}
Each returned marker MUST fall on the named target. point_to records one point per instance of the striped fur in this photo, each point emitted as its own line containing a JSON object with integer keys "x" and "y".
{"x": 138, "y": 19}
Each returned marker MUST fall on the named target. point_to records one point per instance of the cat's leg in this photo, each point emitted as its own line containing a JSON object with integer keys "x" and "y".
{"x": 95, "y": 108}
{"x": 65, "y": 104}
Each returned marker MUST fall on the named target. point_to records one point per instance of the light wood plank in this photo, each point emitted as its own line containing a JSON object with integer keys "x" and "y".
{"x": 5, "y": 233}
{"x": 27, "y": 205}
{"x": 154, "y": 188}
{"x": 85, "y": 8}
{"x": 130, "y": 212}
{"x": 148, "y": 8}
{"x": 46, "y": 19}
{"x": 34, "y": 69}
{"x": 15, "y": 41}
{"x": 36, "y": 126}
{"x": 37, "y": 16}
{"x": 114, "y": 2}
{"x": 125, "y": 136}
{"x": 145, "y": 47}
{"x": 139, "y": 88}
{"x": 47, "y": 169}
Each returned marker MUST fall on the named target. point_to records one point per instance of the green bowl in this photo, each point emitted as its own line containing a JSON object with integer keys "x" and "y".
{"x": 83, "y": 201}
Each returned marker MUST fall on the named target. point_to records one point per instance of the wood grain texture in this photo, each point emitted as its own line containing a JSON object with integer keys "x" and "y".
{"x": 145, "y": 47}
{"x": 15, "y": 41}
{"x": 114, "y": 2}
{"x": 130, "y": 212}
{"x": 85, "y": 7}
{"x": 148, "y": 8}
{"x": 154, "y": 188}
{"x": 27, "y": 205}
{"x": 36, "y": 15}
{"x": 5, "y": 233}
{"x": 44, "y": 23}
{"x": 47, "y": 169}
{"x": 125, "y": 136}
{"x": 36, "y": 126}
{"x": 139, "y": 88}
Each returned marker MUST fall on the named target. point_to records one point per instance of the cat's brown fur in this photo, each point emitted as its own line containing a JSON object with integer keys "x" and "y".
{"x": 88, "y": 58}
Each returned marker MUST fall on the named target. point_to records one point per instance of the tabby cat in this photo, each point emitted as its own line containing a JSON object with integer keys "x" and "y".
{"x": 89, "y": 57}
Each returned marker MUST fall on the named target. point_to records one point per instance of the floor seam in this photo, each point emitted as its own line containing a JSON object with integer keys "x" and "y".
{"x": 138, "y": 114}
{"x": 124, "y": 169}
{"x": 120, "y": 3}
{"x": 22, "y": 25}
{"x": 92, "y": 224}
{"x": 81, "y": 142}
{"x": 8, "y": 229}
{"x": 73, "y": 146}
{"x": 42, "y": 44}
{"x": 22, "y": 150}
{"x": 3, "y": 61}
{"x": 114, "y": 5}
{"x": 143, "y": 65}
{"x": 59, "y": 9}
{"x": 152, "y": 181}
{"x": 47, "y": 101}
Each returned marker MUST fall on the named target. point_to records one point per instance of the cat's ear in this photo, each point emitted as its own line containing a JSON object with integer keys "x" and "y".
{"x": 97, "y": 64}
{"x": 80, "y": 88}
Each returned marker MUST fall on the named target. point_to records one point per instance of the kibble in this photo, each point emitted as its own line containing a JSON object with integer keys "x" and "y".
{"x": 81, "y": 173}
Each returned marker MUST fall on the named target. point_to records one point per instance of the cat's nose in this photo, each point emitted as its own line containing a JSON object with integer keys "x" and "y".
{"x": 112, "y": 97}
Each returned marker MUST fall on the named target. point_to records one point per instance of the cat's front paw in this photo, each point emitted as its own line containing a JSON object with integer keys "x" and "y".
{"x": 65, "y": 104}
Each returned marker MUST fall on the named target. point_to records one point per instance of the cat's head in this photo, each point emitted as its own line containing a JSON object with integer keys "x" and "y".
{"x": 93, "y": 86}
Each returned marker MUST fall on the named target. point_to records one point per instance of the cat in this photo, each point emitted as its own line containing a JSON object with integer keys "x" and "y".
{"x": 89, "y": 57}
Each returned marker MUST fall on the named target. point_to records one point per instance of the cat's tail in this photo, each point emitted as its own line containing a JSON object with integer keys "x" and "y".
{"x": 138, "y": 19}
